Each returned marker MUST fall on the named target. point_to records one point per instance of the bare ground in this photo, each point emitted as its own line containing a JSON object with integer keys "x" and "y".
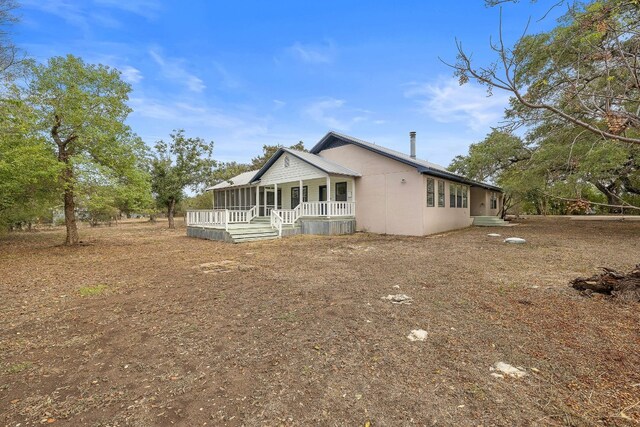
{"x": 143, "y": 326}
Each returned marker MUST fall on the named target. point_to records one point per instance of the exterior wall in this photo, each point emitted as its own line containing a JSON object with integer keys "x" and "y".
{"x": 481, "y": 202}
{"x": 296, "y": 170}
{"x": 438, "y": 219}
{"x": 388, "y": 194}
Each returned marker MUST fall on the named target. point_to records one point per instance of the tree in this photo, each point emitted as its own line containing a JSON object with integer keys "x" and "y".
{"x": 28, "y": 168}
{"x": 585, "y": 71}
{"x": 8, "y": 51}
{"x": 545, "y": 172}
{"x": 182, "y": 163}
{"x": 81, "y": 109}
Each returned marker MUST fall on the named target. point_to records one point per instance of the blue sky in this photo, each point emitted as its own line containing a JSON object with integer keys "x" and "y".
{"x": 248, "y": 73}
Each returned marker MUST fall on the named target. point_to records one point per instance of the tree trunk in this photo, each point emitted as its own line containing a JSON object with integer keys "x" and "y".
{"x": 170, "y": 211}
{"x": 70, "y": 209}
{"x": 64, "y": 154}
{"x": 610, "y": 282}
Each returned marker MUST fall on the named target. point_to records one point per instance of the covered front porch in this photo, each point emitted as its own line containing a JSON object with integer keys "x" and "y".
{"x": 290, "y": 187}
{"x": 278, "y": 204}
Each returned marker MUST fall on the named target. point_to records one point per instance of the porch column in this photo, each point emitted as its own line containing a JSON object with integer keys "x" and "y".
{"x": 225, "y": 199}
{"x": 301, "y": 195}
{"x": 264, "y": 193}
{"x": 353, "y": 190}
{"x": 275, "y": 196}
{"x": 257, "y": 200}
{"x": 328, "y": 211}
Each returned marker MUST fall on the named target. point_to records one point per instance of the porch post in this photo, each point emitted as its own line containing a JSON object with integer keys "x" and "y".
{"x": 328, "y": 211}
{"x": 301, "y": 195}
{"x": 353, "y": 190}
{"x": 275, "y": 196}
{"x": 328, "y": 188}
{"x": 225, "y": 199}
{"x": 257, "y": 200}
{"x": 264, "y": 202}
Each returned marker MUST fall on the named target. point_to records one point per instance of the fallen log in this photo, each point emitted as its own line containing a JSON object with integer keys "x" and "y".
{"x": 625, "y": 287}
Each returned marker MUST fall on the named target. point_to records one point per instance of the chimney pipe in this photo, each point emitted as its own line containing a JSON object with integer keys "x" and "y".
{"x": 412, "y": 138}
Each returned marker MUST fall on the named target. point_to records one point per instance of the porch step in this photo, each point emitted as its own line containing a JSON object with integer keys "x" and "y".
{"x": 489, "y": 221}
{"x": 240, "y": 235}
{"x": 261, "y": 220}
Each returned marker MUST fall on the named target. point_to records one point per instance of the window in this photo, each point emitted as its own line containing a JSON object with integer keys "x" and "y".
{"x": 295, "y": 196}
{"x": 459, "y": 196}
{"x": 341, "y": 191}
{"x": 430, "y": 192}
{"x": 286, "y": 161}
{"x": 440, "y": 194}
{"x": 452, "y": 195}
{"x": 494, "y": 201}
{"x": 464, "y": 196}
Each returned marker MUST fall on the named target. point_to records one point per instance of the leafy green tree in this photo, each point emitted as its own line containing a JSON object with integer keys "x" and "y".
{"x": 182, "y": 163}
{"x": 584, "y": 72}
{"x": 28, "y": 167}
{"x": 81, "y": 108}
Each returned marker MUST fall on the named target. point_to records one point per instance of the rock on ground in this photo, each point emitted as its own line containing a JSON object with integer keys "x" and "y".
{"x": 506, "y": 369}
{"x": 516, "y": 240}
{"x": 417, "y": 335}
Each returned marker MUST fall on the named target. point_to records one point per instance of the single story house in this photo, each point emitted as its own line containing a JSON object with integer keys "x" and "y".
{"x": 342, "y": 185}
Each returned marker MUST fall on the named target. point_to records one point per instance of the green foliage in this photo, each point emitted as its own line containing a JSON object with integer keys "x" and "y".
{"x": 90, "y": 291}
{"x": 200, "y": 201}
{"x": 28, "y": 167}
{"x": 583, "y": 72}
{"x": 182, "y": 163}
{"x": 79, "y": 111}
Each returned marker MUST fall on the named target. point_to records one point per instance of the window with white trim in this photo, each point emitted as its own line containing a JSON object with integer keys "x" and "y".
{"x": 494, "y": 201}
{"x": 430, "y": 192}
{"x": 440, "y": 193}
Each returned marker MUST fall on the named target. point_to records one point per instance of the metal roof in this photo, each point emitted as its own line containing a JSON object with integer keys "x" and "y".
{"x": 245, "y": 178}
{"x": 422, "y": 166}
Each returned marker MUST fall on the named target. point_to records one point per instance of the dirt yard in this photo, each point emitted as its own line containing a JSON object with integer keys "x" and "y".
{"x": 142, "y": 326}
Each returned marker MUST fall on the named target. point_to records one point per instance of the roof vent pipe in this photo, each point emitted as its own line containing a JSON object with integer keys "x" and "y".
{"x": 412, "y": 138}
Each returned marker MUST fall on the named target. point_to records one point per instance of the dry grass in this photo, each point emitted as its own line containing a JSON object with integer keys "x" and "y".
{"x": 294, "y": 331}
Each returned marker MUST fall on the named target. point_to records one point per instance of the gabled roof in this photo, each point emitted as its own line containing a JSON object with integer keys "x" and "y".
{"x": 321, "y": 163}
{"x": 245, "y": 178}
{"x": 334, "y": 139}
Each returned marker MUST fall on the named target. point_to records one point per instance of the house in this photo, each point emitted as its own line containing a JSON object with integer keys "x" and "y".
{"x": 342, "y": 185}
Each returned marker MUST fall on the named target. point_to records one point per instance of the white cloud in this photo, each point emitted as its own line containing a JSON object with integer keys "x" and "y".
{"x": 146, "y": 8}
{"x": 332, "y": 113}
{"x": 278, "y": 104}
{"x": 85, "y": 15}
{"x": 313, "y": 54}
{"x": 447, "y": 102}
{"x": 130, "y": 74}
{"x": 174, "y": 69}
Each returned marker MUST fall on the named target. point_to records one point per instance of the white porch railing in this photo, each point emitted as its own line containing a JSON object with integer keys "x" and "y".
{"x": 279, "y": 217}
{"x": 219, "y": 217}
{"x": 327, "y": 209}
